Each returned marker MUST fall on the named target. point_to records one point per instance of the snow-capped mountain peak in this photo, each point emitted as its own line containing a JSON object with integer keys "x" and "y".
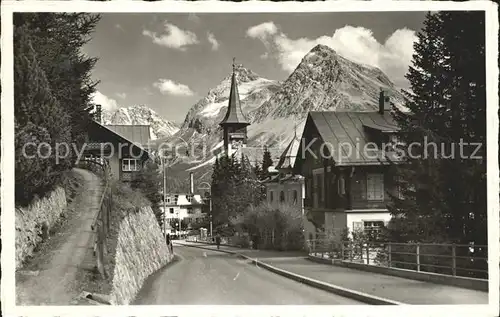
{"x": 142, "y": 115}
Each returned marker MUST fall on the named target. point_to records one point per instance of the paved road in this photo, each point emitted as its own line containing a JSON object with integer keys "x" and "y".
{"x": 213, "y": 278}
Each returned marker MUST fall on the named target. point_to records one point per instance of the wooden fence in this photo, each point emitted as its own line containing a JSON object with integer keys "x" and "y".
{"x": 465, "y": 260}
{"x": 101, "y": 223}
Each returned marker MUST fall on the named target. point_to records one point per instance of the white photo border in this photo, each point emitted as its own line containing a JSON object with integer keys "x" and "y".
{"x": 7, "y": 163}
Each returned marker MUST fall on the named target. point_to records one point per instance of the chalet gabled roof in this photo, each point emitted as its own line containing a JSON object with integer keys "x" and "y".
{"x": 139, "y": 134}
{"x": 103, "y": 130}
{"x": 234, "y": 114}
{"x": 347, "y": 138}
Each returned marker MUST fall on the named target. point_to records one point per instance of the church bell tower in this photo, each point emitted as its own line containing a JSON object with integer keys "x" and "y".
{"x": 234, "y": 124}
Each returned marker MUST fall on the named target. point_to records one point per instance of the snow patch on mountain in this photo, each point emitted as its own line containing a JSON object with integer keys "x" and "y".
{"x": 142, "y": 115}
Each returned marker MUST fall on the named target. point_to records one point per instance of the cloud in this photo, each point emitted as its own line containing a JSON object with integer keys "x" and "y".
{"x": 119, "y": 27}
{"x": 263, "y": 30}
{"x": 355, "y": 43}
{"x": 169, "y": 87}
{"x": 213, "y": 41}
{"x": 122, "y": 95}
{"x": 106, "y": 103}
{"x": 174, "y": 37}
{"x": 194, "y": 18}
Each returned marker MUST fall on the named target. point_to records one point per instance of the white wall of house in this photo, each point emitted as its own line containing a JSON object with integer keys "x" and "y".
{"x": 181, "y": 206}
{"x": 294, "y": 193}
{"x": 357, "y": 220}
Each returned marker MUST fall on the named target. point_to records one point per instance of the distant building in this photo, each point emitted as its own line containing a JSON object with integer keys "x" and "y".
{"x": 187, "y": 207}
{"x": 124, "y": 146}
{"x": 346, "y": 181}
{"x": 286, "y": 188}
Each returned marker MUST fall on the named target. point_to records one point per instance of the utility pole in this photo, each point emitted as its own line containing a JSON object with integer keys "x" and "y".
{"x": 164, "y": 196}
{"x": 210, "y": 194}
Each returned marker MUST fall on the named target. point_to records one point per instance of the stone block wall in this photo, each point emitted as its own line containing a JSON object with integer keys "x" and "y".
{"x": 141, "y": 250}
{"x": 29, "y": 222}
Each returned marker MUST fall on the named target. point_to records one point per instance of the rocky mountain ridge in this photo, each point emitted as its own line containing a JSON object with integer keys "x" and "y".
{"x": 142, "y": 115}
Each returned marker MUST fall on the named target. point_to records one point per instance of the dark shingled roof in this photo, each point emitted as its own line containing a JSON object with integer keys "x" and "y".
{"x": 139, "y": 134}
{"x": 287, "y": 158}
{"x": 234, "y": 113}
{"x": 343, "y": 130}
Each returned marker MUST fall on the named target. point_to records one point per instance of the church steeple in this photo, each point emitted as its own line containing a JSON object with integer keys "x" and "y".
{"x": 234, "y": 124}
{"x": 234, "y": 113}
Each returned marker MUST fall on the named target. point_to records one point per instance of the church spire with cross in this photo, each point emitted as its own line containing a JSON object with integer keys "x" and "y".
{"x": 235, "y": 123}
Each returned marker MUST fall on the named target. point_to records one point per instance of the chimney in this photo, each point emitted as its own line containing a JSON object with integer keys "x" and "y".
{"x": 191, "y": 183}
{"x": 98, "y": 113}
{"x": 384, "y": 101}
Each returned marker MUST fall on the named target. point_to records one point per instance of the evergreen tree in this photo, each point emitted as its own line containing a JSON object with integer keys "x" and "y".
{"x": 267, "y": 162}
{"x": 58, "y": 39}
{"x": 444, "y": 194}
{"x": 39, "y": 118}
{"x": 52, "y": 91}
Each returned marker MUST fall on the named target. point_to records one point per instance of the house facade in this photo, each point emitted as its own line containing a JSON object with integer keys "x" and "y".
{"x": 287, "y": 189}
{"x": 187, "y": 207}
{"x": 126, "y": 156}
{"x": 347, "y": 160}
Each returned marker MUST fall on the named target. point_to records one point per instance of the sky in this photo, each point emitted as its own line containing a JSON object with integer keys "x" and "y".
{"x": 170, "y": 61}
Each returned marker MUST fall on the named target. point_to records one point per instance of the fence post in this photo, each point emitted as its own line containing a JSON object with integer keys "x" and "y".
{"x": 367, "y": 253}
{"x": 342, "y": 250}
{"x": 389, "y": 255}
{"x": 351, "y": 251}
{"x": 418, "y": 257}
{"x": 454, "y": 259}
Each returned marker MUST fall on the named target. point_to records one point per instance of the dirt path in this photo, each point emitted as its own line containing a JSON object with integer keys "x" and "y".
{"x": 50, "y": 277}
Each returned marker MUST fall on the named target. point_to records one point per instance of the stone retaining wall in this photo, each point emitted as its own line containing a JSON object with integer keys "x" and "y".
{"x": 29, "y": 222}
{"x": 141, "y": 250}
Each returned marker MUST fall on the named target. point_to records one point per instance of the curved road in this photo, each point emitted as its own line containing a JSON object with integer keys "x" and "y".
{"x": 214, "y": 278}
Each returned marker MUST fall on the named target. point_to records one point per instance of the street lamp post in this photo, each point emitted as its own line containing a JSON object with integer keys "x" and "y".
{"x": 209, "y": 187}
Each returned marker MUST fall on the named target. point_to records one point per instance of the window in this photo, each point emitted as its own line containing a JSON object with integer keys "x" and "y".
{"x": 375, "y": 186}
{"x": 372, "y": 226}
{"x": 295, "y": 197}
{"x": 171, "y": 210}
{"x": 130, "y": 165}
{"x": 190, "y": 210}
{"x": 176, "y": 197}
{"x": 168, "y": 199}
{"x": 282, "y": 197}
{"x": 271, "y": 198}
{"x": 189, "y": 198}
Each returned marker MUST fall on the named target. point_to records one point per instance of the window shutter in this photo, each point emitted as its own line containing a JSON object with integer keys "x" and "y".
{"x": 341, "y": 185}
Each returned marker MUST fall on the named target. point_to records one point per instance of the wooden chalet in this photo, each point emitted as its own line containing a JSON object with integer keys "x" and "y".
{"x": 347, "y": 161}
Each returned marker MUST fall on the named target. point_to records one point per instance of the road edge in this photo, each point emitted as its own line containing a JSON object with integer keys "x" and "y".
{"x": 331, "y": 288}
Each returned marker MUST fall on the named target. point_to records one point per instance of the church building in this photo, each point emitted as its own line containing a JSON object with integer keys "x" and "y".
{"x": 235, "y": 123}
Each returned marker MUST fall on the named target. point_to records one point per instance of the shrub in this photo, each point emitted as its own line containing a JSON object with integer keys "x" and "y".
{"x": 272, "y": 228}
